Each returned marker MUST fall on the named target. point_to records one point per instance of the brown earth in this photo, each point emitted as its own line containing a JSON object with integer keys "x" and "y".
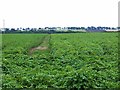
{"x": 39, "y": 48}
{"x": 43, "y": 46}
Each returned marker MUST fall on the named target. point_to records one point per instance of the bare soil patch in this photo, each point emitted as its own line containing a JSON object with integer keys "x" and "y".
{"x": 41, "y": 48}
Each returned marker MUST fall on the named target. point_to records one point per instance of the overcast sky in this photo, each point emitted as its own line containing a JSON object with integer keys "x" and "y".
{"x": 42, "y": 13}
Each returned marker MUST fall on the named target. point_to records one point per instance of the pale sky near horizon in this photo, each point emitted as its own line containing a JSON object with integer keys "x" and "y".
{"x": 58, "y": 13}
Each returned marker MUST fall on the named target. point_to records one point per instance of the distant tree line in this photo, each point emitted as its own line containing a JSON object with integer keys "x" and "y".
{"x": 38, "y": 31}
{"x": 50, "y": 30}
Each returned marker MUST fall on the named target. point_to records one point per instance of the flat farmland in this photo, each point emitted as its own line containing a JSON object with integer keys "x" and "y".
{"x": 76, "y": 60}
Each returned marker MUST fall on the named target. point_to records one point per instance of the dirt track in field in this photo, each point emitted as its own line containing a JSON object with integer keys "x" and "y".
{"x": 43, "y": 46}
{"x": 38, "y": 48}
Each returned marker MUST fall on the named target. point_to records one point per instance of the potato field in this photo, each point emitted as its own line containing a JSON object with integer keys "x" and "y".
{"x": 69, "y": 61}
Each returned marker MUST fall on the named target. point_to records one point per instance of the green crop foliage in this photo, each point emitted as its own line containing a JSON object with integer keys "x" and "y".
{"x": 80, "y": 60}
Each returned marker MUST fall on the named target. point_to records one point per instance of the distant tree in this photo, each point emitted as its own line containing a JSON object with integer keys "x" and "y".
{"x": 13, "y": 30}
{"x": 28, "y": 29}
{"x": 18, "y": 29}
{"x": 118, "y": 28}
{"x": 23, "y": 29}
{"x": 113, "y": 28}
{"x": 93, "y": 28}
{"x": 7, "y": 29}
{"x": 83, "y": 28}
{"x": 40, "y": 28}
{"x": 108, "y": 28}
{"x": 88, "y": 28}
{"x": 99, "y": 28}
